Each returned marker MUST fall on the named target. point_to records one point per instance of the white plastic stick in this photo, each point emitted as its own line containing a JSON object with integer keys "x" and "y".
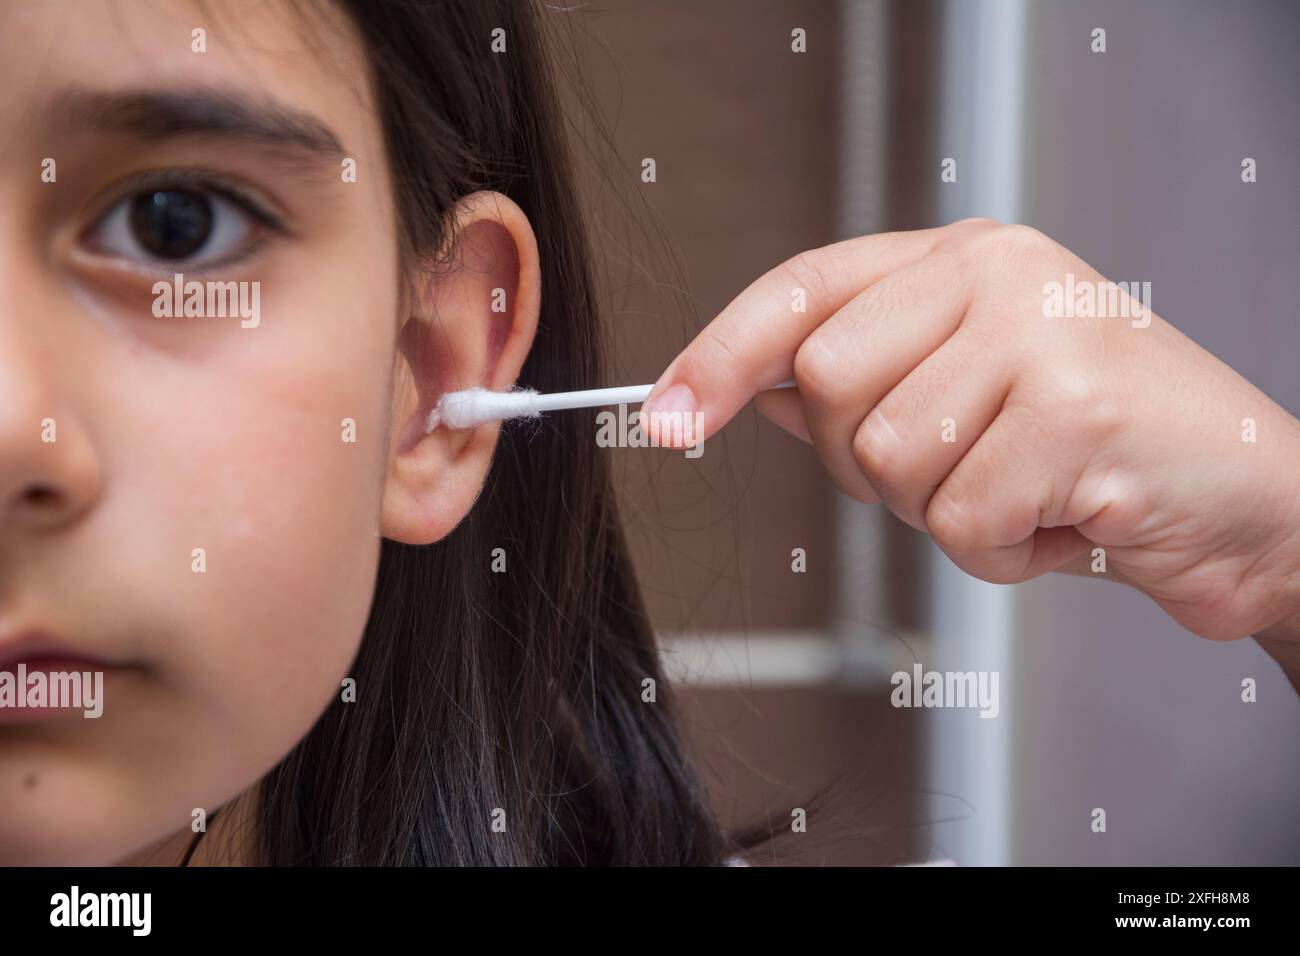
{"x": 477, "y": 406}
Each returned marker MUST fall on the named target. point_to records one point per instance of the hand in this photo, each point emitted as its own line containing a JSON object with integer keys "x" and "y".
{"x": 932, "y": 378}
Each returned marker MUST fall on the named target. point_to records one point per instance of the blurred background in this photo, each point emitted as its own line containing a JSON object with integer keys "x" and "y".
{"x": 1132, "y": 159}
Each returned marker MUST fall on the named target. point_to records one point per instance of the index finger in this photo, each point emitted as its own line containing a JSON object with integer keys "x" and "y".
{"x": 751, "y": 345}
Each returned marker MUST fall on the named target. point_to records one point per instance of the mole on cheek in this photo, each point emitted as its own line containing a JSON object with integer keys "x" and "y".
{"x": 29, "y": 782}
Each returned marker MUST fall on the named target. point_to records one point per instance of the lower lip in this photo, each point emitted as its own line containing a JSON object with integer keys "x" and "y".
{"x": 11, "y": 714}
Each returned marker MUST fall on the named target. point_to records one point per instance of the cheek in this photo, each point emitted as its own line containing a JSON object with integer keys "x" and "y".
{"x": 296, "y": 461}
{"x": 279, "y": 480}
{"x": 246, "y": 459}
{"x": 291, "y": 554}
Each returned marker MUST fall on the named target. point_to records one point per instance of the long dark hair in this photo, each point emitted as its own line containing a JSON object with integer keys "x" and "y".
{"x": 516, "y": 696}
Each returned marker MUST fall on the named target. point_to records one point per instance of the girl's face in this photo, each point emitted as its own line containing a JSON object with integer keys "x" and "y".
{"x": 193, "y": 504}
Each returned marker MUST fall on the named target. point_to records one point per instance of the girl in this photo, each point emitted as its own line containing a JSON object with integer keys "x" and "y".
{"x": 286, "y": 581}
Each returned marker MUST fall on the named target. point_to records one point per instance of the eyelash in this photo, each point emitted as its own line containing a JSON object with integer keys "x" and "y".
{"x": 202, "y": 183}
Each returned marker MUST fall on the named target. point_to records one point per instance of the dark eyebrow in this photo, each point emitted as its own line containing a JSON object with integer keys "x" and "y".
{"x": 162, "y": 115}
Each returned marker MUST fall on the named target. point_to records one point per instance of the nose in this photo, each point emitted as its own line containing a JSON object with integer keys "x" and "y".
{"x": 50, "y": 473}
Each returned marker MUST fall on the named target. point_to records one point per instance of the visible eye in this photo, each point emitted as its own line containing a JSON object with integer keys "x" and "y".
{"x": 177, "y": 225}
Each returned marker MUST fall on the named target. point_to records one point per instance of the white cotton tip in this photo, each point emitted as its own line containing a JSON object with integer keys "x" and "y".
{"x": 477, "y": 406}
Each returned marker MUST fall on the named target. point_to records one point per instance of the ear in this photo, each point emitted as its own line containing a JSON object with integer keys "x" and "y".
{"x": 472, "y": 324}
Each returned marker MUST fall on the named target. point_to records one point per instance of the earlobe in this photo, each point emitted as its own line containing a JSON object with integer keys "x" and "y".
{"x": 473, "y": 316}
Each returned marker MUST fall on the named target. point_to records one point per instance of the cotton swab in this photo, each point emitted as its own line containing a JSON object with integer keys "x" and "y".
{"x": 477, "y": 406}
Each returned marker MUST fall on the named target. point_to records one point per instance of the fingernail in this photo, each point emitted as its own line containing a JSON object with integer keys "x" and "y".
{"x": 677, "y": 404}
{"x": 679, "y": 400}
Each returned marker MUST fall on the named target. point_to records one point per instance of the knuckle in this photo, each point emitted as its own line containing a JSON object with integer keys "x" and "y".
{"x": 809, "y": 271}
{"x": 724, "y": 349}
{"x": 1080, "y": 408}
{"x": 950, "y": 526}
{"x": 878, "y": 451}
{"x": 818, "y": 368}
{"x": 1017, "y": 236}
{"x": 976, "y": 224}
{"x": 1117, "y": 511}
{"x": 1007, "y": 242}
{"x": 958, "y": 235}
{"x": 1073, "y": 395}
